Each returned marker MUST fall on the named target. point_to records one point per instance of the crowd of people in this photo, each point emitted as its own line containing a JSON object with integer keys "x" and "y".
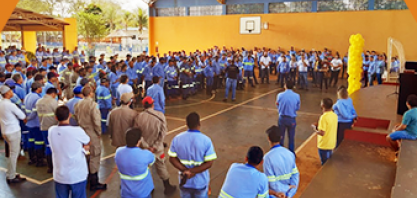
{"x": 98, "y": 96}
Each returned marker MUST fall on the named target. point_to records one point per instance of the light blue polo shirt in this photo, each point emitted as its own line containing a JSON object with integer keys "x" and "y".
{"x": 281, "y": 170}
{"x": 288, "y": 103}
{"x": 193, "y": 148}
{"x": 244, "y": 180}
{"x": 410, "y": 119}
{"x": 133, "y": 164}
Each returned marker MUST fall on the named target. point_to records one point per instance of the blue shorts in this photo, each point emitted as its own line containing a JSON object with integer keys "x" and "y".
{"x": 402, "y": 135}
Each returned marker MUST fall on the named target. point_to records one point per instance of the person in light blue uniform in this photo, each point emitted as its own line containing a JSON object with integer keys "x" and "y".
{"x": 19, "y": 90}
{"x": 198, "y": 76}
{"x": 21, "y": 58}
{"x": 3, "y": 61}
{"x": 222, "y": 63}
{"x": 52, "y": 78}
{"x": 365, "y": 66}
{"x": 284, "y": 70}
{"x": 56, "y": 56}
{"x": 248, "y": 65}
{"x": 345, "y": 112}
{"x": 185, "y": 78}
{"x": 158, "y": 70}
{"x": 13, "y": 59}
{"x": 245, "y": 180}
{"x": 209, "y": 72}
{"x": 288, "y": 103}
{"x": 114, "y": 81}
{"x": 39, "y": 55}
{"x": 372, "y": 70}
{"x": 192, "y": 153}
{"x": 131, "y": 73}
{"x": 380, "y": 68}
{"x": 280, "y": 168}
{"x": 104, "y": 100}
{"x": 148, "y": 74}
{"x": 134, "y": 165}
{"x": 35, "y": 139}
{"x": 82, "y": 57}
{"x": 156, "y": 92}
{"x": 172, "y": 77}
{"x": 240, "y": 83}
{"x": 71, "y": 103}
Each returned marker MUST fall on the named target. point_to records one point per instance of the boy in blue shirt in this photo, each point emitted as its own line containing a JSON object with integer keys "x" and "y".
{"x": 192, "y": 153}
{"x": 407, "y": 130}
{"x": 244, "y": 180}
{"x": 133, "y": 164}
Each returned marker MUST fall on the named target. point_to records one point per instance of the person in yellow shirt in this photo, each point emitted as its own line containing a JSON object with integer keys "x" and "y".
{"x": 326, "y": 130}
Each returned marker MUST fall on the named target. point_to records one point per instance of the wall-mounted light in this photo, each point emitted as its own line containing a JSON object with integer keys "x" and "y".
{"x": 266, "y": 25}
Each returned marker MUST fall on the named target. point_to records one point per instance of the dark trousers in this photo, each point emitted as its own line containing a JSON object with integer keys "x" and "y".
{"x": 77, "y": 190}
{"x": 104, "y": 113}
{"x": 365, "y": 78}
{"x": 335, "y": 77}
{"x": 379, "y": 78}
{"x": 272, "y": 69}
{"x": 293, "y": 74}
{"x": 36, "y": 133}
{"x": 341, "y": 127}
{"x": 282, "y": 78}
{"x": 321, "y": 79}
{"x": 325, "y": 155}
{"x": 47, "y": 147}
{"x": 148, "y": 83}
{"x": 254, "y": 77}
{"x": 215, "y": 79}
{"x": 209, "y": 84}
{"x": 344, "y": 70}
{"x": 172, "y": 87}
{"x": 249, "y": 75}
{"x": 286, "y": 123}
{"x": 265, "y": 75}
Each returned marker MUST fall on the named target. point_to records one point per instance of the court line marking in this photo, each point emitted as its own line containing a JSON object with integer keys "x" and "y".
{"x": 305, "y": 143}
{"x": 174, "y": 118}
{"x": 192, "y": 104}
{"x": 272, "y": 109}
{"x": 227, "y": 109}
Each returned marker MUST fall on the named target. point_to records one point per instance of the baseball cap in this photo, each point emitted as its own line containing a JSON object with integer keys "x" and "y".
{"x": 29, "y": 69}
{"x": 126, "y": 97}
{"x": 77, "y": 89}
{"x": 147, "y": 100}
{"x": 4, "y": 89}
{"x": 10, "y": 82}
{"x": 229, "y": 59}
{"x": 36, "y": 85}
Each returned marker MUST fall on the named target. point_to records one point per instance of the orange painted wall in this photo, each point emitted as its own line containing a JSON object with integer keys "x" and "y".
{"x": 302, "y": 30}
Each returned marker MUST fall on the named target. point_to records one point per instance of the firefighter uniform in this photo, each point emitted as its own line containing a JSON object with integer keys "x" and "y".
{"x": 46, "y": 107}
{"x": 66, "y": 79}
{"x": 104, "y": 102}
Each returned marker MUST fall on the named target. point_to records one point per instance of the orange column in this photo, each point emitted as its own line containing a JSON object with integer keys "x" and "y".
{"x": 151, "y": 39}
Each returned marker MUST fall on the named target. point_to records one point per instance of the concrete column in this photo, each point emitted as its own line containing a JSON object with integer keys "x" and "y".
{"x": 29, "y": 41}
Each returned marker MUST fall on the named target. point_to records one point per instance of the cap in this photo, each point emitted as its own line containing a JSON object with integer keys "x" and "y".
{"x": 10, "y": 82}
{"x": 103, "y": 80}
{"x": 8, "y": 65}
{"x": 29, "y": 69}
{"x": 84, "y": 81}
{"x": 126, "y": 97}
{"x": 4, "y": 89}
{"x": 229, "y": 59}
{"x": 128, "y": 55}
{"x": 147, "y": 100}
{"x": 36, "y": 85}
{"x": 52, "y": 74}
{"x": 76, "y": 65}
{"x": 102, "y": 54}
{"x": 77, "y": 89}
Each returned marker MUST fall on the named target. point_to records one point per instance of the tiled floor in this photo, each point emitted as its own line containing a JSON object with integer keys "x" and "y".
{"x": 233, "y": 128}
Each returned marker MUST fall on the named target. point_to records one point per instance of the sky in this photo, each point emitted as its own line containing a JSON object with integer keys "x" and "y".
{"x": 131, "y": 5}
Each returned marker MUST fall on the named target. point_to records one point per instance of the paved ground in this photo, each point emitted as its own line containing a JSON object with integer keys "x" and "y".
{"x": 233, "y": 128}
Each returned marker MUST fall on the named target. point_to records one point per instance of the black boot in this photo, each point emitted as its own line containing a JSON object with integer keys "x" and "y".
{"x": 49, "y": 163}
{"x": 39, "y": 158}
{"x": 169, "y": 189}
{"x": 32, "y": 156}
{"x": 94, "y": 184}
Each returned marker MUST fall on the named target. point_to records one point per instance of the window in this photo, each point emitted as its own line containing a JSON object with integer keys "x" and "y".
{"x": 178, "y": 11}
{"x": 254, "y": 8}
{"x": 342, "y": 5}
{"x": 285, "y": 7}
{"x": 206, "y": 10}
{"x": 390, "y": 5}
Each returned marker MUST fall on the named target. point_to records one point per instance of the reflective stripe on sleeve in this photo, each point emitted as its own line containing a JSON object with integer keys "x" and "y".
{"x": 273, "y": 178}
{"x": 172, "y": 154}
{"x": 224, "y": 194}
{"x": 210, "y": 157}
{"x": 39, "y": 142}
{"x": 46, "y": 114}
{"x": 104, "y": 97}
{"x": 135, "y": 178}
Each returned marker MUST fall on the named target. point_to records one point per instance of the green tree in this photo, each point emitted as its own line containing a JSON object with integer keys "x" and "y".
{"x": 91, "y": 24}
{"x": 127, "y": 18}
{"x": 112, "y": 16}
{"x": 39, "y": 6}
{"x": 141, "y": 19}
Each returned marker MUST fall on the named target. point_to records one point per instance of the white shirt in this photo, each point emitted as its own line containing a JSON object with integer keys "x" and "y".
{"x": 265, "y": 60}
{"x": 124, "y": 88}
{"x": 336, "y": 62}
{"x": 281, "y": 59}
{"x": 68, "y": 157}
{"x": 301, "y": 67}
{"x": 10, "y": 115}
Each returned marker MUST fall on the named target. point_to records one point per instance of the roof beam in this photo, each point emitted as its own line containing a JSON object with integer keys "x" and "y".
{"x": 34, "y": 19}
